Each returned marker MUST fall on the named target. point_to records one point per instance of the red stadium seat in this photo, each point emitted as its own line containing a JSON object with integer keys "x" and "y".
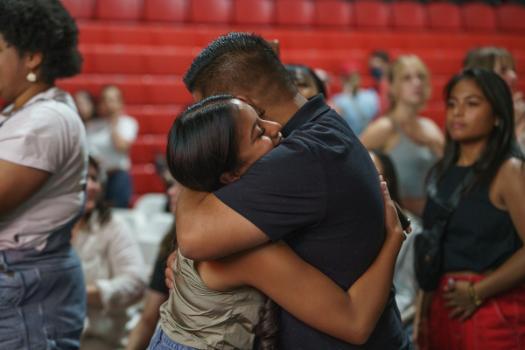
{"x": 511, "y": 18}
{"x": 444, "y": 16}
{"x": 146, "y": 180}
{"x": 135, "y": 59}
{"x": 146, "y": 148}
{"x": 409, "y": 15}
{"x": 154, "y": 119}
{"x": 479, "y": 17}
{"x": 333, "y": 13}
{"x": 260, "y": 12}
{"x": 140, "y": 89}
{"x": 294, "y": 12}
{"x": 126, "y": 10}
{"x": 373, "y": 14}
{"x": 211, "y": 11}
{"x": 80, "y": 9}
{"x": 166, "y": 10}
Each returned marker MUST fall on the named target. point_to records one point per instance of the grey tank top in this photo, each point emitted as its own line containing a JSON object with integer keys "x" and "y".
{"x": 199, "y": 317}
{"x": 412, "y": 163}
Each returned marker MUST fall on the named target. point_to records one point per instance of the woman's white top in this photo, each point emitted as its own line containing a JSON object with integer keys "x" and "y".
{"x": 111, "y": 260}
{"x": 101, "y": 143}
{"x": 46, "y": 134}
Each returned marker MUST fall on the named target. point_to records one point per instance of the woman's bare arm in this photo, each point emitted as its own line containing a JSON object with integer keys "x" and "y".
{"x": 18, "y": 183}
{"x": 308, "y": 294}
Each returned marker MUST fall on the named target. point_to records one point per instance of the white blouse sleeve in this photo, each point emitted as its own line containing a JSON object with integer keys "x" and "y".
{"x": 128, "y": 281}
{"x": 36, "y": 139}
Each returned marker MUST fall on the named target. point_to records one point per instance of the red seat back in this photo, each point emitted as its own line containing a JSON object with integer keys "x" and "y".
{"x": 373, "y": 14}
{"x": 126, "y": 10}
{"x": 259, "y": 12}
{"x": 409, "y": 15}
{"x": 211, "y": 11}
{"x": 479, "y": 17}
{"x": 511, "y": 18}
{"x": 294, "y": 12}
{"x": 166, "y": 10}
{"x": 333, "y": 13}
{"x": 82, "y": 9}
{"x": 444, "y": 16}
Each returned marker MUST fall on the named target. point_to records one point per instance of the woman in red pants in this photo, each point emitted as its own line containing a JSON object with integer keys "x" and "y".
{"x": 480, "y": 300}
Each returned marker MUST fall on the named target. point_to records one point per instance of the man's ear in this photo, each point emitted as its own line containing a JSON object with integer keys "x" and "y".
{"x": 252, "y": 102}
{"x": 229, "y": 177}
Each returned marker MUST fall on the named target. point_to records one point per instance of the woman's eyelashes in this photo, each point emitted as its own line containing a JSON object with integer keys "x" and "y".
{"x": 262, "y": 132}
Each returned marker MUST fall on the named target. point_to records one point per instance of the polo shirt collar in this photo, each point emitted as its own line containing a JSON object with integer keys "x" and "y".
{"x": 308, "y": 112}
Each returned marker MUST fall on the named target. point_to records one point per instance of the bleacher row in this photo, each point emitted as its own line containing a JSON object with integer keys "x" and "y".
{"x": 147, "y": 57}
{"x": 330, "y": 13}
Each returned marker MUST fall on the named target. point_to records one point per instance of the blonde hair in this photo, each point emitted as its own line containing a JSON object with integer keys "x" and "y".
{"x": 396, "y": 72}
{"x": 486, "y": 58}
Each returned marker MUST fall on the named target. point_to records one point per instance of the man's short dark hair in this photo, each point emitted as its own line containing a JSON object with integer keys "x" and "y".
{"x": 239, "y": 62}
{"x": 382, "y": 55}
{"x": 43, "y": 26}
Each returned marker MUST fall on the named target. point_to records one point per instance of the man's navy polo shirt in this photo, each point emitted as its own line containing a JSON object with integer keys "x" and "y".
{"x": 319, "y": 192}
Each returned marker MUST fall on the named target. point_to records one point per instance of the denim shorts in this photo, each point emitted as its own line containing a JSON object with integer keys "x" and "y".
{"x": 161, "y": 341}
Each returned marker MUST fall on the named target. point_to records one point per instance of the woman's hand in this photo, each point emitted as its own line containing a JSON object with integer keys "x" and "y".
{"x": 392, "y": 224}
{"x": 169, "y": 276}
{"x": 459, "y": 300}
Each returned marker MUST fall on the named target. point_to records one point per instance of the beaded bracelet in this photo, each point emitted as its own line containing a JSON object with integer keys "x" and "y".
{"x": 474, "y": 297}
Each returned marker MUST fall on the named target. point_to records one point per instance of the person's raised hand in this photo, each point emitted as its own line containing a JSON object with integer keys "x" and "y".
{"x": 392, "y": 223}
{"x": 169, "y": 277}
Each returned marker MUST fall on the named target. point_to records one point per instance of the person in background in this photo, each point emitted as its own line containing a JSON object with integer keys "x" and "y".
{"x": 307, "y": 81}
{"x": 357, "y": 106}
{"x": 43, "y": 165}
{"x": 85, "y": 103}
{"x": 480, "y": 300}
{"x": 501, "y": 62}
{"x": 157, "y": 292}
{"x": 404, "y": 274}
{"x": 413, "y": 143}
{"x": 110, "y": 138}
{"x": 113, "y": 268}
{"x": 378, "y": 68}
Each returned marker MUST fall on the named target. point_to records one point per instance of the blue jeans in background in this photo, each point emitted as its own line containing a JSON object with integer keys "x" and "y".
{"x": 119, "y": 188}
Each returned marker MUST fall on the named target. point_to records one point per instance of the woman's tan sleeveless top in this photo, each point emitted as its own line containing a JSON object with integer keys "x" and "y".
{"x": 199, "y": 317}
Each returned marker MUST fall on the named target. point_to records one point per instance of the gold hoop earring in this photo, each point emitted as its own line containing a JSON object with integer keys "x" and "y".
{"x": 31, "y": 77}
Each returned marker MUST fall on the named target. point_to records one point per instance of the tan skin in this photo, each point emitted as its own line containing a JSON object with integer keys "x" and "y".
{"x": 111, "y": 106}
{"x": 17, "y": 182}
{"x": 298, "y": 287}
{"x": 408, "y": 92}
{"x": 470, "y": 120}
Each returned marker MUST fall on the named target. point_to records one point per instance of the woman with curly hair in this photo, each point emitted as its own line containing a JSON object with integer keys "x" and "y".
{"x": 43, "y": 162}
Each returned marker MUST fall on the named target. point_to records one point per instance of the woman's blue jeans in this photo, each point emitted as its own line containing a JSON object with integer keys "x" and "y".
{"x": 42, "y": 296}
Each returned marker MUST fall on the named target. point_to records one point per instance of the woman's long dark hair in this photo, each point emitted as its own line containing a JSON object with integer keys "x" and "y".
{"x": 502, "y": 142}
{"x": 102, "y": 208}
{"x": 203, "y": 145}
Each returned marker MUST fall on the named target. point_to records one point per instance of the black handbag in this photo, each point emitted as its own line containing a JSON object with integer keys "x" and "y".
{"x": 428, "y": 254}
